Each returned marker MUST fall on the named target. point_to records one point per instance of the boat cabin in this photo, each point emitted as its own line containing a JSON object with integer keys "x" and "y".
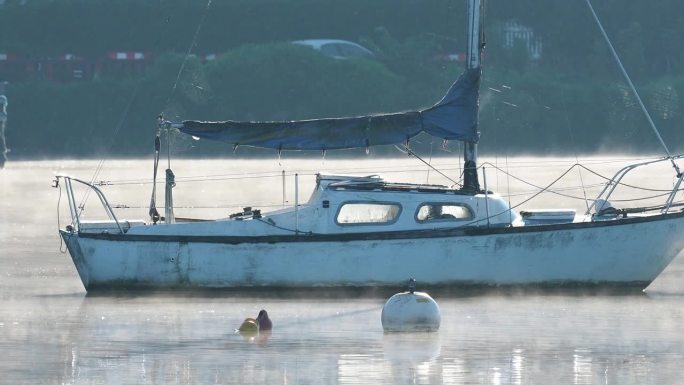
{"x": 350, "y": 204}
{"x": 354, "y": 204}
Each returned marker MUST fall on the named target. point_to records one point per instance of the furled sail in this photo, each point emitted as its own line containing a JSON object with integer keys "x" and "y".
{"x": 452, "y": 118}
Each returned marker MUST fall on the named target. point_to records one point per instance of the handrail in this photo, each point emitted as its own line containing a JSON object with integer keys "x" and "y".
{"x": 73, "y": 208}
{"x": 671, "y": 197}
{"x": 620, "y": 174}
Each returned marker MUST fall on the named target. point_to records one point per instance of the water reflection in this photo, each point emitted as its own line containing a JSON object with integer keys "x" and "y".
{"x": 163, "y": 339}
{"x": 517, "y": 365}
{"x": 413, "y": 357}
{"x": 581, "y": 367}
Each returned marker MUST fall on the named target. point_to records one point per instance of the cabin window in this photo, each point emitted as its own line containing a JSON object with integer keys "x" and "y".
{"x": 443, "y": 212}
{"x": 358, "y": 213}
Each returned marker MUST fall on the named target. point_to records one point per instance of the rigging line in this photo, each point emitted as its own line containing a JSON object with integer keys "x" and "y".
{"x": 278, "y": 205}
{"x": 62, "y": 249}
{"x": 508, "y": 177}
{"x": 410, "y": 152}
{"x": 650, "y": 208}
{"x": 388, "y": 169}
{"x": 641, "y": 199}
{"x": 532, "y": 184}
{"x": 460, "y": 162}
{"x": 285, "y": 228}
{"x": 591, "y": 171}
{"x": 526, "y": 200}
{"x": 574, "y": 148}
{"x": 664, "y": 192}
{"x": 427, "y": 179}
{"x": 178, "y": 77}
{"x": 116, "y": 132}
{"x": 594, "y": 160}
{"x": 269, "y": 174}
{"x": 612, "y": 200}
{"x": 570, "y": 188}
{"x": 100, "y": 165}
{"x": 187, "y": 55}
{"x": 459, "y": 153}
{"x": 625, "y": 184}
{"x": 264, "y": 175}
{"x": 525, "y": 193}
{"x": 227, "y": 206}
{"x": 218, "y": 178}
{"x": 508, "y": 188}
{"x": 631, "y": 85}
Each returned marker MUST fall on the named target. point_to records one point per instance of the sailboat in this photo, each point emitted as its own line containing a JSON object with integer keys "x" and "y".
{"x": 364, "y": 231}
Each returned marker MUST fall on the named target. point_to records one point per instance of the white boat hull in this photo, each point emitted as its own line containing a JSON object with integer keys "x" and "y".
{"x": 621, "y": 252}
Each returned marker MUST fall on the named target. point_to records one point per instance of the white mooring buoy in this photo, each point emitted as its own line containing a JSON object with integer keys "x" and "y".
{"x": 411, "y": 311}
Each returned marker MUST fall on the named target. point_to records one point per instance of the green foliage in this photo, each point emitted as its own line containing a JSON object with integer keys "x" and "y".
{"x": 572, "y": 99}
{"x": 287, "y": 82}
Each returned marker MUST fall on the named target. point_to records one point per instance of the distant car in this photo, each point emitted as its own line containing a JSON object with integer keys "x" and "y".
{"x": 338, "y": 49}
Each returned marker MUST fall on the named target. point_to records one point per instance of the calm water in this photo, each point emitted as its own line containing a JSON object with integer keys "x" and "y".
{"x": 51, "y": 332}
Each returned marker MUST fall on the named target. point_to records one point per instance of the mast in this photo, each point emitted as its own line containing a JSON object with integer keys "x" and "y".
{"x": 473, "y": 61}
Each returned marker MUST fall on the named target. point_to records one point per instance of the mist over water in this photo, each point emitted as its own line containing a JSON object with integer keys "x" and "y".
{"x": 52, "y": 332}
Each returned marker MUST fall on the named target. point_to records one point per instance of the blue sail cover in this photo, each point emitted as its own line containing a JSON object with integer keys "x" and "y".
{"x": 455, "y": 117}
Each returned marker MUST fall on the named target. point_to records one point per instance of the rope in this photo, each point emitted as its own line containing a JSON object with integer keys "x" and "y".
{"x": 153, "y": 212}
{"x": 573, "y": 188}
{"x": 574, "y": 148}
{"x": 100, "y": 165}
{"x": 547, "y": 188}
{"x": 625, "y": 184}
{"x": 427, "y": 178}
{"x": 410, "y": 152}
{"x": 284, "y": 228}
{"x": 227, "y": 206}
{"x": 383, "y": 169}
{"x": 631, "y": 85}
{"x": 524, "y": 201}
{"x": 532, "y": 184}
{"x": 217, "y": 178}
{"x": 269, "y": 174}
{"x": 665, "y": 192}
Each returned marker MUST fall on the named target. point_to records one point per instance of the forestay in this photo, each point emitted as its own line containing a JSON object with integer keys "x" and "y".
{"x": 453, "y": 118}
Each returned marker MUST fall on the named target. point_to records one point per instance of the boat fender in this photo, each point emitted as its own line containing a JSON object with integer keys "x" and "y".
{"x": 263, "y": 321}
{"x": 411, "y": 311}
{"x": 249, "y": 326}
